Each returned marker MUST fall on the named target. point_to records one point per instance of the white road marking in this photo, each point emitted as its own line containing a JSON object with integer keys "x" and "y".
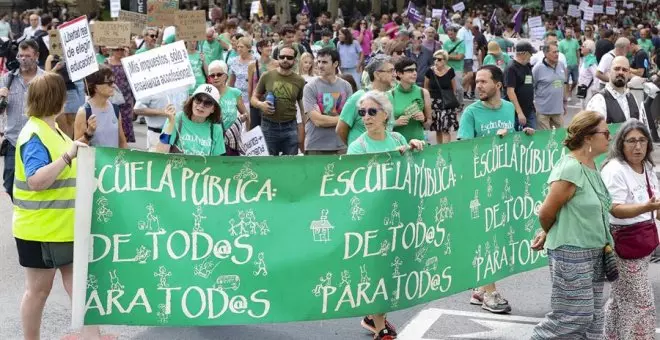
{"x": 500, "y": 330}
{"x": 421, "y": 323}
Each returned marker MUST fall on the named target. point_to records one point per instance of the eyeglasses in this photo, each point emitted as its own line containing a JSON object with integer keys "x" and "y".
{"x": 206, "y": 103}
{"x": 370, "y": 111}
{"x": 398, "y": 52}
{"x": 439, "y": 59}
{"x": 389, "y": 70}
{"x": 152, "y": 36}
{"x": 287, "y": 57}
{"x": 216, "y": 75}
{"x": 633, "y": 142}
{"x": 605, "y": 133}
{"x": 419, "y": 37}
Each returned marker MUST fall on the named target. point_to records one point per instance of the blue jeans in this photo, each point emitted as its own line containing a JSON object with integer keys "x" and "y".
{"x": 531, "y": 121}
{"x": 280, "y": 137}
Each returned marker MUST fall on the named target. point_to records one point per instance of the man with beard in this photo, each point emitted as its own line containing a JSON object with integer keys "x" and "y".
{"x": 17, "y": 83}
{"x": 278, "y": 122}
{"x": 323, "y": 99}
{"x": 615, "y": 102}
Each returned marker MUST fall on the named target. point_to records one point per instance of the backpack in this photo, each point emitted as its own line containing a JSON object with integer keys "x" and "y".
{"x": 88, "y": 111}
{"x": 43, "y": 48}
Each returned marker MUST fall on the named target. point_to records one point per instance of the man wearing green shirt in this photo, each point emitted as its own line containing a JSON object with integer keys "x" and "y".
{"x": 325, "y": 41}
{"x": 645, "y": 42}
{"x": 570, "y": 47}
{"x": 210, "y": 47}
{"x": 488, "y": 116}
{"x": 456, "y": 50}
{"x": 150, "y": 37}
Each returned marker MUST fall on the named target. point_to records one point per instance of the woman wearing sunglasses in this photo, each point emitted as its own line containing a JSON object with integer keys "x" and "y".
{"x": 375, "y": 110}
{"x": 198, "y": 130}
{"x": 99, "y": 122}
{"x": 233, "y": 109}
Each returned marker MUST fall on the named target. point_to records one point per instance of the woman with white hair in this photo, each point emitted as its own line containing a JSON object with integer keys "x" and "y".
{"x": 376, "y": 112}
{"x": 587, "y": 81}
{"x": 231, "y": 104}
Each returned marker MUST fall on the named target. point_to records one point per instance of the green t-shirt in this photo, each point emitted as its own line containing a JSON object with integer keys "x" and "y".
{"x": 647, "y": 45}
{"x": 570, "y": 48}
{"x": 288, "y": 90}
{"x": 407, "y": 103}
{"x": 229, "y": 105}
{"x": 364, "y": 144}
{"x": 212, "y": 50}
{"x": 143, "y": 49}
{"x": 100, "y": 58}
{"x": 200, "y": 139}
{"x": 353, "y": 120}
{"x": 560, "y": 35}
{"x": 321, "y": 44}
{"x": 448, "y": 45}
{"x": 225, "y": 40}
{"x": 479, "y": 121}
{"x": 580, "y": 222}
{"x": 500, "y": 61}
{"x": 198, "y": 70}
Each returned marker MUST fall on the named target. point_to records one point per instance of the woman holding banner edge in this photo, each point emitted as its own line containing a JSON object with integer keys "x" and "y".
{"x": 44, "y": 198}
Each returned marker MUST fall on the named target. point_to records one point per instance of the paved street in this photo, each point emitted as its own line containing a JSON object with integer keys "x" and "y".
{"x": 448, "y": 318}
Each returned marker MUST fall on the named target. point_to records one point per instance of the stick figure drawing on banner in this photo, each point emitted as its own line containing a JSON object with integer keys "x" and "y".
{"x": 261, "y": 265}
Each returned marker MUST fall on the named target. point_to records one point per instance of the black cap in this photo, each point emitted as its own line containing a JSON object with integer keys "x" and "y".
{"x": 524, "y": 46}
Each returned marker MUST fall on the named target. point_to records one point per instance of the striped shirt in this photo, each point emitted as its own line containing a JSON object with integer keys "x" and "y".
{"x": 16, "y": 117}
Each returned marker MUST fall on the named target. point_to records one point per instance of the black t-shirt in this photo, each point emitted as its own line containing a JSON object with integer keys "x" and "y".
{"x": 317, "y": 30}
{"x": 519, "y": 77}
{"x": 444, "y": 82}
{"x": 480, "y": 43}
{"x": 641, "y": 60}
{"x": 602, "y": 47}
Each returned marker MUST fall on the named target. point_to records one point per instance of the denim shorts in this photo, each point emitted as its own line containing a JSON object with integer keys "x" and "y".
{"x": 75, "y": 98}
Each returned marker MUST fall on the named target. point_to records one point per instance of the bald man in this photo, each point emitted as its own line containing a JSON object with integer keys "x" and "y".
{"x": 29, "y": 31}
{"x": 615, "y": 102}
{"x": 211, "y": 46}
{"x": 621, "y": 48}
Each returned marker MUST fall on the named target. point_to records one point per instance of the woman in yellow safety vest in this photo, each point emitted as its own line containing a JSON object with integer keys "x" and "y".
{"x": 45, "y": 192}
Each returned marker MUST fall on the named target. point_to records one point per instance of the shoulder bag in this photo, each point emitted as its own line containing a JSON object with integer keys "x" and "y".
{"x": 449, "y": 100}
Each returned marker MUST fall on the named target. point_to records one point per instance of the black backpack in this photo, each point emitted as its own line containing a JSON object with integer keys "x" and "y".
{"x": 43, "y": 48}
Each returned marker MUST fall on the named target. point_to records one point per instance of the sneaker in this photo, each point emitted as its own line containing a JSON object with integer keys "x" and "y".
{"x": 385, "y": 334}
{"x": 143, "y": 121}
{"x": 477, "y": 297}
{"x": 494, "y": 303}
{"x": 369, "y": 325}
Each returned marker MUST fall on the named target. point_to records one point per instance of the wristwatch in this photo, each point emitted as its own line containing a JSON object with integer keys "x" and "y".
{"x": 88, "y": 136}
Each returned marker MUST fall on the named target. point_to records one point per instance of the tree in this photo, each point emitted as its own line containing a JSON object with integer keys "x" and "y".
{"x": 283, "y": 11}
{"x": 333, "y": 6}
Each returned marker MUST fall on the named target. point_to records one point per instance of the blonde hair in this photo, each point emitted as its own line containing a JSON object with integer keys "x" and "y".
{"x": 310, "y": 72}
{"x": 46, "y": 95}
{"x": 441, "y": 53}
{"x": 590, "y": 45}
{"x": 581, "y": 126}
{"x": 245, "y": 41}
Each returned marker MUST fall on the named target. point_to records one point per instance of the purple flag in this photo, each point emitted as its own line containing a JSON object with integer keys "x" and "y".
{"x": 305, "y": 8}
{"x": 413, "y": 14}
{"x": 443, "y": 20}
{"x": 493, "y": 18}
{"x": 517, "y": 19}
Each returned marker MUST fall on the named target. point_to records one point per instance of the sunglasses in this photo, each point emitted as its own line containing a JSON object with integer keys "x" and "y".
{"x": 398, "y": 52}
{"x": 152, "y": 36}
{"x": 419, "y": 37}
{"x": 287, "y": 57}
{"x": 206, "y": 103}
{"x": 216, "y": 75}
{"x": 410, "y": 70}
{"x": 439, "y": 59}
{"x": 370, "y": 111}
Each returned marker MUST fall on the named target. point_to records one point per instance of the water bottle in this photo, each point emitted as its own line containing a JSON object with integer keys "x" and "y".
{"x": 270, "y": 98}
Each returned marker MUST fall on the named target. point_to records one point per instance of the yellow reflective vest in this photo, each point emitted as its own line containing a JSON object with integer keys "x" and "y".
{"x": 45, "y": 215}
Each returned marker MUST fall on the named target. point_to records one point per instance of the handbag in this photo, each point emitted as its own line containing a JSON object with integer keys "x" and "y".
{"x": 449, "y": 100}
{"x": 582, "y": 90}
{"x": 608, "y": 258}
{"x": 639, "y": 239}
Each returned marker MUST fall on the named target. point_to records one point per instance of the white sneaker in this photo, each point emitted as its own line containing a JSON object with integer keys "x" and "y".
{"x": 495, "y": 303}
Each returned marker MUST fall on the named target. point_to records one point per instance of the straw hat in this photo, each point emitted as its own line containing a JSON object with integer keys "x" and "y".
{"x": 494, "y": 48}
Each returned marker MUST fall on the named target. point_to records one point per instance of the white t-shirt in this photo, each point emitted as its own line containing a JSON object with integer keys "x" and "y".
{"x": 538, "y": 57}
{"x": 628, "y": 187}
{"x": 606, "y": 62}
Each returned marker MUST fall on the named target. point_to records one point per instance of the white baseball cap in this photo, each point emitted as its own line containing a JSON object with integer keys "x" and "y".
{"x": 210, "y": 91}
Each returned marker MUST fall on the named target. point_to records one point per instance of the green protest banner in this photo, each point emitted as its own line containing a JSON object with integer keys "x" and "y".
{"x": 180, "y": 240}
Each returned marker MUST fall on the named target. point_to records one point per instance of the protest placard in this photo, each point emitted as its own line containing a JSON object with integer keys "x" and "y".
{"x": 254, "y": 142}
{"x": 588, "y": 14}
{"x": 414, "y": 14}
{"x": 158, "y": 70}
{"x": 190, "y": 25}
{"x": 255, "y": 9}
{"x": 534, "y": 22}
{"x": 138, "y": 21}
{"x": 598, "y": 9}
{"x": 459, "y": 7}
{"x": 609, "y": 10}
{"x": 176, "y": 240}
{"x": 436, "y": 13}
{"x": 115, "y": 7}
{"x": 112, "y": 33}
{"x": 55, "y": 43}
{"x": 78, "y": 48}
{"x": 583, "y": 4}
{"x": 548, "y": 5}
{"x": 162, "y": 12}
{"x": 139, "y": 6}
{"x": 537, "y": 32}
{"x": 574, "y": 11}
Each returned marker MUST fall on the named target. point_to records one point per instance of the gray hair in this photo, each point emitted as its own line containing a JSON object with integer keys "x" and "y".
{"x": 621, "y": 43}
{"x": 590, "y": 45}
{"x": 381, "y": 99}
{"x": 616, "y": 150}
{"x": 546, "y": 47}
{"x": 453, "y": 28}
{"x": 376, "y": 64}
